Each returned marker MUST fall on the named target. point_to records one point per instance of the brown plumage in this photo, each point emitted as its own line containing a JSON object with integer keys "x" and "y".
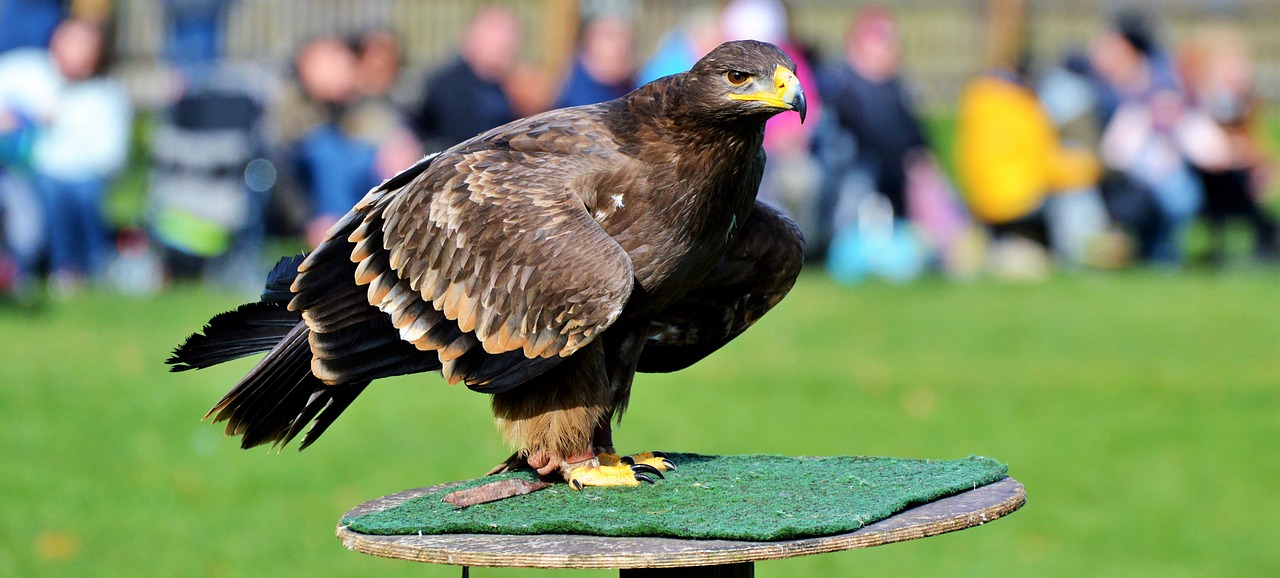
{"x": 543, "y": 262}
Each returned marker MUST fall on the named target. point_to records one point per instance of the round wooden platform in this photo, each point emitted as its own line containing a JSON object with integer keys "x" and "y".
{"x": 964, "y": 510}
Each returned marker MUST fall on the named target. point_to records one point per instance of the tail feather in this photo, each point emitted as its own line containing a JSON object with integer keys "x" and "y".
{"x": 249, "y": 329}
{"x": 280, "y": 278}
{"x": 267, "y": 384}
{"x": 325, "y": 408}
{"x": 280, "y": 396}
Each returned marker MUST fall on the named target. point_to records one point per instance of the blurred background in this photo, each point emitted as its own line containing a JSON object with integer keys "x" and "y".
{"x": 1039, "y": 231}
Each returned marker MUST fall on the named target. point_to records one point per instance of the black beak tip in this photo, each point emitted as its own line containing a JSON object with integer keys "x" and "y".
{"x": 801, "y": 106}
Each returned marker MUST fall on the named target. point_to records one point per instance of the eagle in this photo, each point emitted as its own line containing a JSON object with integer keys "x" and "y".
{"x": 543, "y": 262}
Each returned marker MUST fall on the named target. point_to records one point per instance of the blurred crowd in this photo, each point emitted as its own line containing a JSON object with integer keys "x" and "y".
{"x": 1108, "y": 156}
{"x": 1102, "y": 159}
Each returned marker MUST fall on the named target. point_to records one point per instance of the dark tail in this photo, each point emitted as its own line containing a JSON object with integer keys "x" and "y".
{"x": 249, "y": 329}
{"x": 280, "y": 396}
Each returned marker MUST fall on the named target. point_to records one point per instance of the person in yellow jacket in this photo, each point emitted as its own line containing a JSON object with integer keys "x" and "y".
{"x": 1008, "y": 155}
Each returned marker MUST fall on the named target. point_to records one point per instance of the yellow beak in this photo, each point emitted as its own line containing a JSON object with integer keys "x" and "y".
{"x": 787, "y": 93}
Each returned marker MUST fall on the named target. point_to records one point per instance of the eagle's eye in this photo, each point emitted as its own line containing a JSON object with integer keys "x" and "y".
{"x": 737, "y": 77}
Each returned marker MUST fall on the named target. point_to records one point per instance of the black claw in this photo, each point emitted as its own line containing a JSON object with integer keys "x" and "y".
{"x": 659, "y": 455}
{"x": 576, "y": 484}
{"x": 630, "y": 461}
{"x": 670, "y": 465}
{"x": 647, "y": 469}
{"x": 644, "y": 478}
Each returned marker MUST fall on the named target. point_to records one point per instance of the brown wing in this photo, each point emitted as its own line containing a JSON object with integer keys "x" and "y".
{"x": 487, "y": 257}
{"x": 753, "y": 276}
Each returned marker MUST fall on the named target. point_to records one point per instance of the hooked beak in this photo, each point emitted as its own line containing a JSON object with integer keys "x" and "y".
{"x": 787, "y": 93}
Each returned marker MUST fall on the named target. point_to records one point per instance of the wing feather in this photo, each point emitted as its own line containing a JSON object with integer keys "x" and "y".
{"x": 499, "y": 241}
{"x": 753, "y": 276}
{"x": 485, "y": 255}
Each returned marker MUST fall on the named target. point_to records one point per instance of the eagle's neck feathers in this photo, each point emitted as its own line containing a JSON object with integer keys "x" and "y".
{"x": 710, "y": 169}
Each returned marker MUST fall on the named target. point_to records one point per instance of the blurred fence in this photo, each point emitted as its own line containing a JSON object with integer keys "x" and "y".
{"x": 943, "y": 40}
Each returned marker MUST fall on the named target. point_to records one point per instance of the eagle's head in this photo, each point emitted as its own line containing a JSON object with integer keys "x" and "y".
{"x": 744, "y": 78}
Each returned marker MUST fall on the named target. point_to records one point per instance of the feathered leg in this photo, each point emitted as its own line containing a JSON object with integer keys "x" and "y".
{"x": 554, "y": 422}
{"x": 551, "y": 419}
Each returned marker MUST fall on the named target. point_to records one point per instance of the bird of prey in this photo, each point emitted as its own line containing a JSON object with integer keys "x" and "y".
{"x": 544, "y": 262}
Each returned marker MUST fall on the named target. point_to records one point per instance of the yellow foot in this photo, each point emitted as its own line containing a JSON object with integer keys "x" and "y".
{"x": 615, "y": 470}
{"x": 592, "y": 475}
{"x": 656, "y": 460}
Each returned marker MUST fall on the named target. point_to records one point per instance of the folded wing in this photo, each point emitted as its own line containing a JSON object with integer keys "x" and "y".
{"x": 753, "y": 276}
{"x": 484, "y": 256}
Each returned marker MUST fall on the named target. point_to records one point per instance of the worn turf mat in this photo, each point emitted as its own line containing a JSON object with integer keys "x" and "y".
{"x": 746, "y": 497}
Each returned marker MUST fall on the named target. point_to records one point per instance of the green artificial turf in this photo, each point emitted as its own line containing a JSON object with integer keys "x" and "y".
{"x": 743, "y": 497}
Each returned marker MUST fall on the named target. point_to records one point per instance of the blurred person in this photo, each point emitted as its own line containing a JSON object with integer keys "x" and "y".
{"x": 27, "y": 85}
{"x": 603, "y": 68}
{"x": 466, "y": 97}
{"x": 792, "y": 175}
{"x": 380, "y": 112}
{"x": 874, "y": 138}
{"x": 80, "y": 122}
{"x": 379, "y": 55}
{"x": 1219, "y": 72}
{"x": 1128, "y": 63}
{"x": 379, "y": 67}
{"x": 1156, "y": 145}
{"x": 683, "y": 45}
{"x": 1152, "y": 142}
{"x": 336, "y": 167}
{"x": 531, "y": 89}
{"x": 1009, "y": 161}
{"x": 348, "y": 132}
{"x": 869, "y": 103}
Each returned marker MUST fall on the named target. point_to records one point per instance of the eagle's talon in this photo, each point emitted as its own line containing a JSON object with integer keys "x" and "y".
{"x": 656, "y": 460}
{"x": 666, "y": 461}
{"x": 642, "y": 469}
{"x": 645, "y": 479}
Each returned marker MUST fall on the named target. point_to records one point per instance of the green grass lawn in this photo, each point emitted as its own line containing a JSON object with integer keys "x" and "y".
{"x": 1140, "y": 409}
